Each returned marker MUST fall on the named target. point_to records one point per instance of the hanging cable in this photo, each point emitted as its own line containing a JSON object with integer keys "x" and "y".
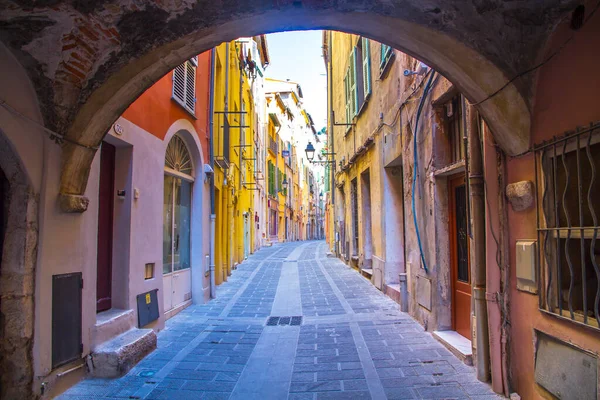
{"x": 416, "y": 164}
{"x": 541, "y": 64}
{"x": 57, "y": 137}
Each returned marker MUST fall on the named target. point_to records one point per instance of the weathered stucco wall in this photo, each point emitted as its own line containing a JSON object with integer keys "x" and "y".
{"x": 566, "y": 97}
{"x": 388, "y": 118}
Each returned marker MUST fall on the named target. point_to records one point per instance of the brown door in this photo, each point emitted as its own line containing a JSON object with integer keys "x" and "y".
{"x": 106, "y": 198}
{"x": 459, "y": 256}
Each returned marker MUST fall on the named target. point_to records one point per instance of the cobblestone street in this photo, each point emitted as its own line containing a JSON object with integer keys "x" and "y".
{"x": 352, "y": 343}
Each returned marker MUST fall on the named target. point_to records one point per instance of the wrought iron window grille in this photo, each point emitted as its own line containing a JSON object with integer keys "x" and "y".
{"x": 568, "y": 213}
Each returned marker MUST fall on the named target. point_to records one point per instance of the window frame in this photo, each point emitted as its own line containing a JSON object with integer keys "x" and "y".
{"x": 189, "y": 83}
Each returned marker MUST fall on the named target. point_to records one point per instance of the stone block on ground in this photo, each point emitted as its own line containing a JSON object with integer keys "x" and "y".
{"x": 117, "y": 356}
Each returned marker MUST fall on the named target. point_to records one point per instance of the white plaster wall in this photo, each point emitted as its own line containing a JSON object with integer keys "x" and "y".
{"x": 66, "y": 242}
{"x": 28, "y": 140}
{"x": 143, "y": 244}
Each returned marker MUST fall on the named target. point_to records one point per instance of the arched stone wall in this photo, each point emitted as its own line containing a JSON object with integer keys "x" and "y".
{"x": 19, "y": 254}
{"x": 89, "y": 62}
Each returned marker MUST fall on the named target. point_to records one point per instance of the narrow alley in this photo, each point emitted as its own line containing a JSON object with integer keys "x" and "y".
{"x": 300, "y": 199}
{"x": 349, "y": 342}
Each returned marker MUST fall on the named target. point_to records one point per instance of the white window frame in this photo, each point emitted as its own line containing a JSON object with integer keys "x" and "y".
{"x": 184, "y": 82}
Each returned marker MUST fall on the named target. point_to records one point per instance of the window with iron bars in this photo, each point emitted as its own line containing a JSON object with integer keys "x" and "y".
{"x": 568, "y": 253}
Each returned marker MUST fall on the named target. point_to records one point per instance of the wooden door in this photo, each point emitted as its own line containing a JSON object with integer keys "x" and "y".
{"x": 459, "y": 256}
{"x": 106, "y": 196}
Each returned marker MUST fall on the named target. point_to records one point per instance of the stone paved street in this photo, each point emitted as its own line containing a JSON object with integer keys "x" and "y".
{"x": 353, "y": 342}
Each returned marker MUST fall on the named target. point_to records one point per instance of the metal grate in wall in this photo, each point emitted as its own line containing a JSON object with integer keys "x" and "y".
{"x": 568, "y": 189}
{"x": 282, "y": 321}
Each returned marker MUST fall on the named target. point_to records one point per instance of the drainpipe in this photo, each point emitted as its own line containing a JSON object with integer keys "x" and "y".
{"x": 504, "y": 262}
{"x": 478, "y": 267}
{"x": 403, "y": 276}
{"x": 241, "y": 130}
{"x": 213, "y": 216}
{"x": 227, "y": 193}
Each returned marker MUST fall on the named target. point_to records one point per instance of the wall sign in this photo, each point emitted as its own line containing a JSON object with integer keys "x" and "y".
{"x": 118, "y": 129}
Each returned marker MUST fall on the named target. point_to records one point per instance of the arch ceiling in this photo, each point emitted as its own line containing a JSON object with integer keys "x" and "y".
{"x": 89, "y": 59}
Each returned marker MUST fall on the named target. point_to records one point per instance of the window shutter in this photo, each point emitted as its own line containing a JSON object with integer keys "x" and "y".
{"x": 366, "y": 53}
{"x": 386, "y": 53}
{"x": 353, "y": 87}
{"x": 347, "y": 92}
{"x": 190, "y": 87}
{"x": 179, "y": 83}
{"x": 271, "y": 179}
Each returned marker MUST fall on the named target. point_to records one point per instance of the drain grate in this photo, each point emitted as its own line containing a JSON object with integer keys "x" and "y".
{"x": 293, "y": 320}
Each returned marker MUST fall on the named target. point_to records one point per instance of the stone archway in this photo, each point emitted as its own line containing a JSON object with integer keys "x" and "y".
{"x": 17, "y": 273}
{"x": 90, "y": 61}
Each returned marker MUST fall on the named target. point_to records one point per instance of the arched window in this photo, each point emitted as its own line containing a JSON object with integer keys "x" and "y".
{"x": 178, "y": 158}
{"x": 177, "y": 211}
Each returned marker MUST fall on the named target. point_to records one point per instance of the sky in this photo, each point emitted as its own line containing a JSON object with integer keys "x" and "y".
{"x": 297, "y": 56}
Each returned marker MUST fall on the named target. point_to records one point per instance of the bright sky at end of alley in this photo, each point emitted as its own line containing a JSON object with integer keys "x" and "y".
{"x": 297, "y": 56}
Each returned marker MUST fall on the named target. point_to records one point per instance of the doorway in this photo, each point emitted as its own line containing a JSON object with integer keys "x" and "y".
{"x": 106, "y": 202}
{"x": 246, "y": 235}
{"x": 459, "y": 256}
{"x": 178, "y": 181}
{"x": 367, "y": 236}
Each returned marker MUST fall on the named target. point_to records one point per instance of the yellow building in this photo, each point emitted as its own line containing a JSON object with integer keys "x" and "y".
{"x": 235, "y": 152}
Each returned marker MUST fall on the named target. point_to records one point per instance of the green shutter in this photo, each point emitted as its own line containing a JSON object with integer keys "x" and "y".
{"x": 271, "y": 178}
{"x": 353, "y": 87}
{"x": 366, "y": 53}
{"x": 386, "y": 53}
{"x": 347, "y": 93}
{"x": 279, "y": 176}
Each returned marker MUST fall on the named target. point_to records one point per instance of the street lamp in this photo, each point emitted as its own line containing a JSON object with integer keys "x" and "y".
{"x": 310, "y": 152}
{"x": 310, "y": 155}
{"x": 284, "y": 184}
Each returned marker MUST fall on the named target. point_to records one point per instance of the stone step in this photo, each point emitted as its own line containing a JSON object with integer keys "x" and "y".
{"x": 458, "y": 345}
{"x": 117, "y": 356}
{"x": 110, "y": 324}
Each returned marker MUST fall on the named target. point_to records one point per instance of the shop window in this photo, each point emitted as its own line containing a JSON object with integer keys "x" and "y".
{"x": 568, "y": 190}
{"x": 184, "y": 86}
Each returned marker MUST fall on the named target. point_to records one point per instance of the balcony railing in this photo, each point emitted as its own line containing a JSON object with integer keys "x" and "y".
{"x": 273, "y": 145}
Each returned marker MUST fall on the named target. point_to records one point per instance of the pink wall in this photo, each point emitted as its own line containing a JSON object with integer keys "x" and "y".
{"x": 566, "y": 96}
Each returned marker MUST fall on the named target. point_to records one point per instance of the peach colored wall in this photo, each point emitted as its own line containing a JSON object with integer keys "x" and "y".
{"x": 566, "y": 97}
{"x": 155, "y": 111}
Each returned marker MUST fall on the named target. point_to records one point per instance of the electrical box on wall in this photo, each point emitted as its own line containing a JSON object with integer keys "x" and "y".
{"x": 147, "y": 307}
{"x": 526, "y": 266}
